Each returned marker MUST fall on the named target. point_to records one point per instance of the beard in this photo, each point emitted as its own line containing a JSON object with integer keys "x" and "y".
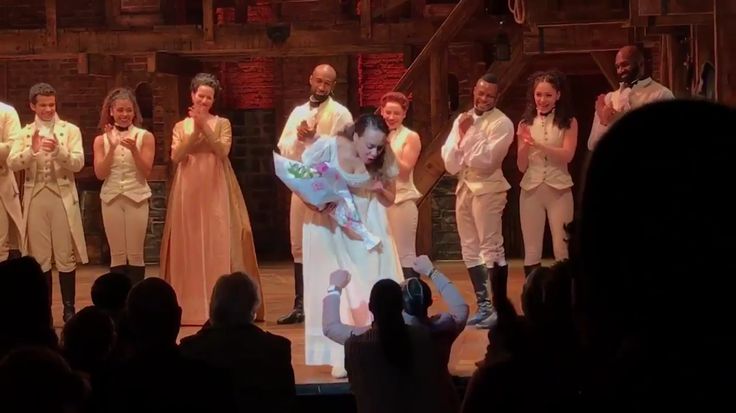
{"x": 318, "y": 98}
{"x": 631, "y": 76}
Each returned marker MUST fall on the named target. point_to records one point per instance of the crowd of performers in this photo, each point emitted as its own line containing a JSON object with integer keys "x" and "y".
{"x": 207, "y": 231}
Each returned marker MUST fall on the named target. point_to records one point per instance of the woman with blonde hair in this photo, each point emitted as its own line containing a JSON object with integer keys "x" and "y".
{"x": 123, "y": 159}
{"x": 403, "y": 215}
{"x": 207, "y": 231}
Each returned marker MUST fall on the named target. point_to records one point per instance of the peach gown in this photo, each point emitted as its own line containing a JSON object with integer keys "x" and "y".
{"x": 205, "y": 205}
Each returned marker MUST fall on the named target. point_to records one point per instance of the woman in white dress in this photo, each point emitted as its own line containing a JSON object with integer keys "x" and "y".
{"x": 362, "y": 156}
{"x": 403, "y": 216}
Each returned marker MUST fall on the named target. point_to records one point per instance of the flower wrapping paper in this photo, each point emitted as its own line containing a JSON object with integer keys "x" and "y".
{"x": 319, "y": 185}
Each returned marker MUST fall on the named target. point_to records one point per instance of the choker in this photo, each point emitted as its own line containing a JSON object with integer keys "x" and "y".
{"x": 122, "y": 128}
{"x": 546, "y": 113}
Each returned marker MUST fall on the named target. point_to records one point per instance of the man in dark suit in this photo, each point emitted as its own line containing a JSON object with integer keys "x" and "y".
{"x": 258, "y": 362}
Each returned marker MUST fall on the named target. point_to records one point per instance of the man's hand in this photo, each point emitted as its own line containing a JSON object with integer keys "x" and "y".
{"x": 423, "y": 265}
{"x": 340, "y": 278}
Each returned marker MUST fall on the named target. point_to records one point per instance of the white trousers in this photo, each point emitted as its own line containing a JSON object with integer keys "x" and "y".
{"x": 538, "y": 205}
{"x": 296, "y": 224}
{"x": 125, "y": 223}
{"x": 479, "y": 225}
{"x": 403, "y": 219}
{"x": 49, "y": 234}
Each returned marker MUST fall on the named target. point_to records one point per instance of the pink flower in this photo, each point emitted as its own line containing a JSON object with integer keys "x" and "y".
{"x": 322, "y": 167}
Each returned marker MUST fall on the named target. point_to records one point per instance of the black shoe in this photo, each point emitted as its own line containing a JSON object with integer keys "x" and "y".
{"x": 296, "y": 316}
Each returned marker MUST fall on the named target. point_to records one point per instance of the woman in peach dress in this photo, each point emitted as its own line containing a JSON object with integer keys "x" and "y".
{"x": 207, "y": 232}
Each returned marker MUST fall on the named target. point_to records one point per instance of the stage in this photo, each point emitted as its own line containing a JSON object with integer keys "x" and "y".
{"x": 278, "y": 289}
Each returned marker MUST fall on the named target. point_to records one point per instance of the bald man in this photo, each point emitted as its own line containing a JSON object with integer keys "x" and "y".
{"x": 636, "y": 89}
{"x": 320, "y": 115}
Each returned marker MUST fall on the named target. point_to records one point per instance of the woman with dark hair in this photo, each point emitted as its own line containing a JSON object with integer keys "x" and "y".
{"x": 361, "y": 155}
{"x": 123, "y": 159}
{"x": 406, "y": 145}
{"x": 547, "y": 138}
{"x": 207, "y": 231}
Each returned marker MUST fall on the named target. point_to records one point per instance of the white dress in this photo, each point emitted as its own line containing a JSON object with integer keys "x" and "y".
{"x": 328, "y": 247}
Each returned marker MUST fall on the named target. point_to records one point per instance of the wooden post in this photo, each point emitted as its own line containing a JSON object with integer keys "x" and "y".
{"x": 208, "y": 20}
{"x": 366, "y": 20}
{"x": 439, "y": 109}
{"x": 51, "y": 23}
{"x": 241, "y": 11}
{"x": 725, "y": 32}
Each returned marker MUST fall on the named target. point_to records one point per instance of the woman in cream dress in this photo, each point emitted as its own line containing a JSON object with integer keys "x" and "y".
{"x": 362, "y": 156}
{"x": 207, "y": 232}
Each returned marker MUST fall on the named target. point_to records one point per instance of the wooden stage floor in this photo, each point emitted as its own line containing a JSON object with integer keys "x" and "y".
{"x": 278, "y": 289}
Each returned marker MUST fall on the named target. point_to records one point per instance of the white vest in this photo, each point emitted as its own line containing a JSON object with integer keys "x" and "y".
{"x": 542, "y": 168}
{"x": 45, "y": 175}
{"x": 405, "y": 189}
{"x": 125, "y": 179}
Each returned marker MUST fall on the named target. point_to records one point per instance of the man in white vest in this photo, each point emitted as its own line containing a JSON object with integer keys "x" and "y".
{"x": 50, "y": 151}
{"x": 11, "y": 217}
{"x": 636, "y": 89}
{"x": 474, "y": 151}
{"x": 320, "y": 115}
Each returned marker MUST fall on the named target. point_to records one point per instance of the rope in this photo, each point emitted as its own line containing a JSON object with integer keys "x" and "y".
{"x": 518, "y": 9}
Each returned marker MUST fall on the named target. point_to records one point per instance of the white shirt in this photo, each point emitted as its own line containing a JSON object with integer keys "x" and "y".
{"x": 627, "y": 98}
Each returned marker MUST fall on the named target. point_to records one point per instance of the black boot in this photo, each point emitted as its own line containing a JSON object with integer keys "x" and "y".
{"x": 409, "y": 273}
{"x": 67, "y": 281}
{"x": 119, "y": 269}
{"x": 297, "y": 314}
{"x": 529, "y": 268}
{"x": 135, "y": 274}
{"x": 47, "y": 275}
{"x": 499, "y": 276}
{"x": 479, "y": 278}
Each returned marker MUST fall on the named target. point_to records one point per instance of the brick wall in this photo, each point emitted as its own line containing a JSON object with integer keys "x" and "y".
{"x": 25, "y": 14}
{"x": 249, "y": 84}
{"x": 78, "y": 96}
{"x": 378, "y": 73}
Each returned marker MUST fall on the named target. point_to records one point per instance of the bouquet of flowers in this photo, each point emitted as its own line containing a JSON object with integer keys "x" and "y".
{"x": 319, "y": 185}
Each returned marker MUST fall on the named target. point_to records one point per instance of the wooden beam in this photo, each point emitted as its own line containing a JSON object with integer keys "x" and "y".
{"x": 549, "y": 12}
{"x": 51, "y": 29}
{"x": 439, "y": 107}
{"x": 388, "y": 7}
{"x": 417, "y": 8}
{"x": 208, "y": 20}
{"x": 112, "y": 12}
{"x": 366, "y": 20}
{"x": 161, "y": 62}
{"x": 605, "y": 62}
{"x": 95, "y": 64}
{"x": 576, "y": 39}
{"x": 460, "y": 15}
{"x": 673, "y": 7}
{"x": 725, "y": 32}
{"x": 245, "y": 40}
